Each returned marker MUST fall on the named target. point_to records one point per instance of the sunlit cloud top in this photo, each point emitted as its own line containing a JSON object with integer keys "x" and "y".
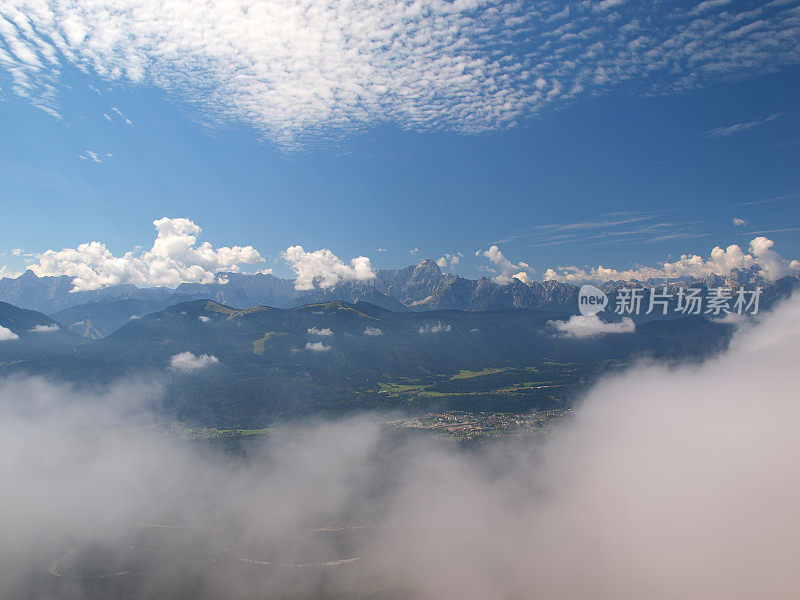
{"x": 177, "y": 256}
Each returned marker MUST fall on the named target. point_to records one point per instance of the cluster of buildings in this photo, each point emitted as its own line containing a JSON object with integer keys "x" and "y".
{"x": 467, "y": 425}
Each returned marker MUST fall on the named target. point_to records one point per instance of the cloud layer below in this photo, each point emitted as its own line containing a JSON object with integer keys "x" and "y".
{"x": 664, "y": 483}
{"x": 6, "y": 335}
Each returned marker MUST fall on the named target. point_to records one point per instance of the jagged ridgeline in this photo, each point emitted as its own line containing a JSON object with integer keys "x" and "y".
{"x": 412, "y": 339}
{"x": 96, "y": 313}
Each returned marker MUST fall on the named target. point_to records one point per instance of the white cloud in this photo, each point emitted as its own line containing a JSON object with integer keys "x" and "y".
{"x": 641, "y": 226}
{"x": 44, "y": 328}
{"x": 6, "y": 272}
{"x": 663, "y": 482}
{"x": 772, "y": 265}
{"x": 382, "y": 250}
{"x": 92, "y": 156}
{"x": 729, "y": 130}
{"x": 6, "y": 334}
{"x": 187, "y": 362}
{"x": 413, "y": 251}
{"x": 449, "y": 260}
{"x": 204, "y": 318}
{"x": 581, "y": 326}
{"x": 123, "y": 117}
{"x": 649, "y": 472}
{"x": 523, "y": 277}
{"x": 324, "y": 269}
{"x": 737, "y": 222}
{"x": 608, "y": 4}
{"x": 709, "y": 4}
{"x": 317, "y": 347}
{"x": 373, "y": 331}
{"x": 508, "y": 270}
{"x": 322, "y": 332}
{"x": 175, "y": 258}
{"x": 288, "y": 67}
{"x": 437, "y": 327}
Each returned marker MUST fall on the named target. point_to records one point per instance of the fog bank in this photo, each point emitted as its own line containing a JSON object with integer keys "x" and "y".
{"x": 664, "y": 483}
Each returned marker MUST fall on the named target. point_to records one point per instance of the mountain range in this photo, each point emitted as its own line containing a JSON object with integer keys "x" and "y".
{"x": 223, "y": 366}
{"x": 30, "y": 334}
{"x": 421, "y": 287}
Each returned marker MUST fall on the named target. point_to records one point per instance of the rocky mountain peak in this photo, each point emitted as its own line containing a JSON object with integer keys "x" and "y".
{"x": 428, "y": 265}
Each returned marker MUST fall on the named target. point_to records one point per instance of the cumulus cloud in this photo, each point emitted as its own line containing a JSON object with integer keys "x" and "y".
{"x": 175, "y": 258}
{"x": 582, "y": 326}
{"x": 187, "y": 362}
{"x": 522, "y": 276}
{"x": 508, "y": 270}
{"x": 44, "y": 328}
{"x": 772, "y": 264}
{"x": 721, "y": 261}
{"x": 437, "y": 327}
{"x": 6, "y": 272}
{"x": 6, "y": 334}
{"x": 317, "y": 347}
{"x": 324, "y": 269}
{"x": 316, "y": 331}
{"x": 288, "y": 68}
{"x": 448, "y": 261}
{"x": 373, "y": 331}
{"x": 737, "y": 222}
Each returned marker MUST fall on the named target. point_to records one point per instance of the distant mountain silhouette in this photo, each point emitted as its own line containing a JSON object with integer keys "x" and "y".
{"x": 420, "y": 287}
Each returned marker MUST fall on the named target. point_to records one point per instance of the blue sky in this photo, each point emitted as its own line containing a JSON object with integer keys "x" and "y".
{"x": 682, "y": 119}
